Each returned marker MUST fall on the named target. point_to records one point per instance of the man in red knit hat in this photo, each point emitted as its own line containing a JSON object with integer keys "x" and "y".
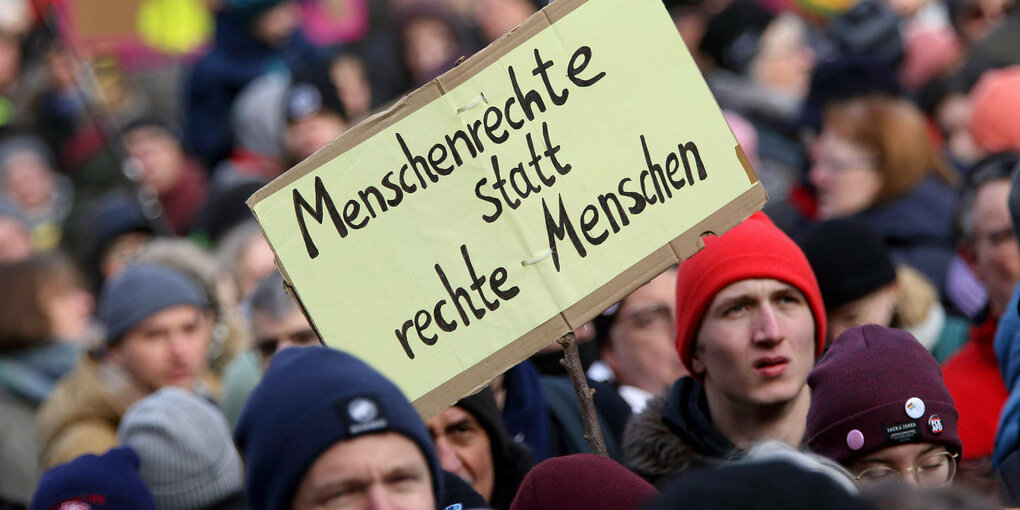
{"x": 750, "y": 323}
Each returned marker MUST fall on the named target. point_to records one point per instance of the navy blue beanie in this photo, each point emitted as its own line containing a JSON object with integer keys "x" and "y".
{"x": 309, "y": 399}
{"x": 142, "y": 290}
{"x": 107, "y": 481}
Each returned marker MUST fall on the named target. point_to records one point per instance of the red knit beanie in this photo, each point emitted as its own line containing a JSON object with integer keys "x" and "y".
{"x": 994, "y": 123}
{"x": 754, "y": 249}
{"x": 582, "y": 482}
{"x": 874, "y": 388}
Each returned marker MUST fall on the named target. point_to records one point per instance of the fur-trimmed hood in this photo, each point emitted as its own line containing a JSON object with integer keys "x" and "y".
{"x": 673, "y": 433}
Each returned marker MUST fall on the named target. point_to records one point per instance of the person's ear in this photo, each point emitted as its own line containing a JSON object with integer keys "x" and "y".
{"x": 968, "y": 254}
{"x": 697, "y": 366}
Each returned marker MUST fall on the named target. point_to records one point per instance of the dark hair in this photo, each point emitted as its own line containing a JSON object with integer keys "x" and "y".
{"x": 997, "y": 167}
{"x": 28, "y": 284}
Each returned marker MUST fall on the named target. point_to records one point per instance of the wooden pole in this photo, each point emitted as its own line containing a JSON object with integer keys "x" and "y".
{"x": 572, "y": 362}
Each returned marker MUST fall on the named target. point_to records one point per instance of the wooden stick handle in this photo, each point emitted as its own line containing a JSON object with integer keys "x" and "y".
{"x": 572, "y": 362}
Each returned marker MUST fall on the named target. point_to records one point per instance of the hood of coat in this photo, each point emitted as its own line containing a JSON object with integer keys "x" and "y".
{"x": 673, "y": 433}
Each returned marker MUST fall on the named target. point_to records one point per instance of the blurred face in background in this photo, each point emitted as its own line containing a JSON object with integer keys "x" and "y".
{"x": 256, "y": 263}
{"x": 784, "y": 60}
{"x": 275, "y": 26}
{"x": 28, "y": 181}
{"x": 993, "y": 253}
{"x": 845, "y": 176}
{"x": 429, "y": 44}
{"x": 641, "y": 350}
{"x": 272, "y": 335}
{"x": 168, "y": 348}
{"x": 160, "y": 155}
{"x": 497, "y": 17}
{"x": 351, "y": 79}
{"x": 953, "y": 117}
{"x": 303, "y": 137}
{"x": 879, "y": 307}
{"x": 15, "y": 240}
{"x": 10, "y": 61}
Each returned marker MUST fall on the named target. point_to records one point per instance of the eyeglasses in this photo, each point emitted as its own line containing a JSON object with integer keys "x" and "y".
{"x": 655, "y": 317}
{"x": 930, "y": 471}
{"x": 267, "y": 346}
{"x": 837, "y": 165}
{"x": 996, "y": 237}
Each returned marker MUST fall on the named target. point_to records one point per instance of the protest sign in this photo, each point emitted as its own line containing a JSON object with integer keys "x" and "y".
{"x": 510, "y": 200}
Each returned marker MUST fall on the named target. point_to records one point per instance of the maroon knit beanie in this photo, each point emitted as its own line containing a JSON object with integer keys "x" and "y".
{"x": 754, "y": 249}
{"x": 582, "y": 482}
{"x": 878, "y": 387}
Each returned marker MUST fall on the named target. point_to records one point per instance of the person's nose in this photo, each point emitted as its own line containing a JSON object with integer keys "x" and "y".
{"x": 909, "y": 477}
{"x": 818, "y": 175}
{"x": 379, "y": 498}
{"x": 448, "y": 458}
{"x": 767, "y": 328}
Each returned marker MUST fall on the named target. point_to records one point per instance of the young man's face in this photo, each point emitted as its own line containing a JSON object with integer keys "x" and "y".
{"x": 166, "y": 349}
{"x": 756, "y": 344}
{"x": 464, "y": 448}
{"x": 377, "y": 471}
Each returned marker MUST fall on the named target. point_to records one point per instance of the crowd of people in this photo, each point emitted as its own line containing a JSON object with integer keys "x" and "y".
{"x": 855, "y": 345}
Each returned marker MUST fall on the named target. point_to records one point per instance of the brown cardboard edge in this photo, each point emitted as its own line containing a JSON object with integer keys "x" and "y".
{"x": 508, "y": 42}
{"x": 729, "y": 216}
{"x": 751, "y": 175}
{"x": 680, "y": 248}
{"x": 620, "y": 286}
{"x": 461, "y": 385}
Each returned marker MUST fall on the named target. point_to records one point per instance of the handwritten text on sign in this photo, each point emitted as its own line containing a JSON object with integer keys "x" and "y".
{"x": 508, "y": 195}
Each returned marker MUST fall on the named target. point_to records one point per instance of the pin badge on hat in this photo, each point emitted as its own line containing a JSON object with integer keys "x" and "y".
{"x": 914, "y": 407}
{"x": 855, "y": 440}
{"x": 935, "y": 424}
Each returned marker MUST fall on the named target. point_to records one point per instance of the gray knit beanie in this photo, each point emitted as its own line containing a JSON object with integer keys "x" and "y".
{"x": 141, "y": 290}
{"x": 188, "y": 456}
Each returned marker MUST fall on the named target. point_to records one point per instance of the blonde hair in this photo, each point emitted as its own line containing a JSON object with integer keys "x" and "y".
{"x": 916, "y": 297}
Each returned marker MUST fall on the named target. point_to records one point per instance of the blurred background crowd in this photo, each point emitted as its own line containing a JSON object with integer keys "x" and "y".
{"x": 134, "y": 130}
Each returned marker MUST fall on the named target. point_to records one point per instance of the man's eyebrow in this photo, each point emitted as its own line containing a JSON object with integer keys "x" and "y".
{"x": 463, "y": 422}
{"x": 740, "y": 299}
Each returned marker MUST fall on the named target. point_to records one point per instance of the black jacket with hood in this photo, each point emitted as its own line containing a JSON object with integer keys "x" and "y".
{"x": 674, "y": 433}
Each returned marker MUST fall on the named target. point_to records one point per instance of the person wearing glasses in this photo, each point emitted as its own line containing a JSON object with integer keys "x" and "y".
{"x": 880, "y": 408}
{"x": 636, "y": 338}
{"x": 276, "y": 320}
{"x": 989, "y": 247}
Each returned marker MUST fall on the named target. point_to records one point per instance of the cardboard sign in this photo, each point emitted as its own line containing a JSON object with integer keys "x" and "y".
{"x": 510, "y": 200}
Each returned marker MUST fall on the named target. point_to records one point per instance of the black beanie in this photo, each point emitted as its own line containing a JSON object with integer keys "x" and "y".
{"x": 848, "y": 259}
{"x": 755, "y": 485}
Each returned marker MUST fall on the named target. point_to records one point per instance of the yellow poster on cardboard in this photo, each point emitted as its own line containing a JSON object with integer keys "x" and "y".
{"x": 508, "y": 201}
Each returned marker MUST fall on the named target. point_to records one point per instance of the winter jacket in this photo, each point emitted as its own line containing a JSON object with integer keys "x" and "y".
{"x": 917, "y": 228}
{"x": 674, "y": 433}
{"x": 566, "y": 435}
{"x": 82, "y": 413}
{"x": 1007, "y": 351}
{"x": 235, "y": 60}
{"x": 26, "y": 377}
{"x": 973, "y": 379}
